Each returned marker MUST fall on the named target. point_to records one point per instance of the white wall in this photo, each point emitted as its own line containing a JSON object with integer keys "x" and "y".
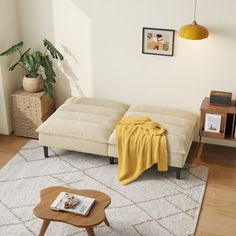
{"x": 68, "y": 26}
{"x": 102, "y": 41}
{"x": 9, "y": 81}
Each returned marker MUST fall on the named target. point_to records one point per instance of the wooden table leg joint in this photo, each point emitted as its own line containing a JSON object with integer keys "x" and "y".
{"x": 199, "y": 144}
{"x": 106, "y": 221}
{"x": 90, "y": 231}
{"x": 44, "y": 227}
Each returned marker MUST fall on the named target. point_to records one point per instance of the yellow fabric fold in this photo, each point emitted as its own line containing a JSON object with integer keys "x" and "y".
{"x": 141, "y": 143}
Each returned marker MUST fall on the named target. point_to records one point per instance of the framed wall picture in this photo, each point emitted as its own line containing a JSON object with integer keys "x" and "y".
{"x": 212, "y": 123}
{"x": 158, "y": 41}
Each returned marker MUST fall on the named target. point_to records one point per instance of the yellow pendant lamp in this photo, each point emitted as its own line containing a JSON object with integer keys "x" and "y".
{"x": 193, "y": 31}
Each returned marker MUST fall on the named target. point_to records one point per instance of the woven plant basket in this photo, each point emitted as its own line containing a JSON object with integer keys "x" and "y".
{"x": 33, "y": 85}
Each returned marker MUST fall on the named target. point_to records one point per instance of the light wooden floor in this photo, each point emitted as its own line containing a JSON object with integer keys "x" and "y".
{"x": 9, "y": 146}
{"x": 218, "y": 214}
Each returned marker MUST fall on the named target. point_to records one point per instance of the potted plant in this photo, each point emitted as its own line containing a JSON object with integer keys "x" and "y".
{"x": 38, "y": 67}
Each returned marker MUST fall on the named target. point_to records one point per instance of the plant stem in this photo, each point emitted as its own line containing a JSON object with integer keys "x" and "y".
{"x": 20, "y": 52}
{"x": 44, "y": 54}
{"x": 21, "y": 65}
{"x": 37, "y": 67}
{"x": 23, "y": 68}
{"x": 40, "y": 70}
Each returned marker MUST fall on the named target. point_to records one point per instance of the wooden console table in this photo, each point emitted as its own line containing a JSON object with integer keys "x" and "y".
{"x": 223, "y": 127}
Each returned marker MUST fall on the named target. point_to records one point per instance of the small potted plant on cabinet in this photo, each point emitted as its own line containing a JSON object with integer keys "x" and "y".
{"x": 38, "y": 67}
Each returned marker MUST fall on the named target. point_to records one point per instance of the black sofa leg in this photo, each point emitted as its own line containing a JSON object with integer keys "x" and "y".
{"x": 112, "y": 160}
{"x": 178, "y": 171}
{"x": 45, "y": 151}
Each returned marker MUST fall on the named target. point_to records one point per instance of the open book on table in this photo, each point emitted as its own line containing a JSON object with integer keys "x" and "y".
{"x": 82, "y": 204}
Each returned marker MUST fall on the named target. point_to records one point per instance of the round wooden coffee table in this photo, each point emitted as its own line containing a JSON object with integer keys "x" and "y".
{"x": 96, "y": 215}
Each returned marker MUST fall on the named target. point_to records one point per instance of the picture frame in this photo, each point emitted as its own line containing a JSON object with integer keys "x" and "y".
{"x": 212, "y": 123}
{"x": 158, "y": 41}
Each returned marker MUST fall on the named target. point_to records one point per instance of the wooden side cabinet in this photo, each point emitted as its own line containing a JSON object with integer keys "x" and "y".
{"x": 217, "y": 121}
{"x": 29, "y": 111}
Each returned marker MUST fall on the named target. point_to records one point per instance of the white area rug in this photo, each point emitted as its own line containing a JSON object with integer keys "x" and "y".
{"x": 155, "y": 204}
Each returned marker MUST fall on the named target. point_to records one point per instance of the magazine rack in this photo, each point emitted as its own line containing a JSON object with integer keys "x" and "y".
{"x": 223, "y": 128}
{"x": 227, "y": 123}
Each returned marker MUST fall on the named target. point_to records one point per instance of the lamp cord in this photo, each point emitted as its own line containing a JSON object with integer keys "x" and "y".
{"x": 195, "y": 10}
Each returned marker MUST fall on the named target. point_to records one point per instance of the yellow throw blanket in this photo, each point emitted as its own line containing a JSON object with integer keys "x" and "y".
{"x": 141, "y": 143}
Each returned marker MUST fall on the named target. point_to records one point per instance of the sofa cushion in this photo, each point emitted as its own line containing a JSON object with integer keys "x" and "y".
{"x": 180, "y": 125}
{"x": 85, "y": 118}
{"x": 99, "y": 102}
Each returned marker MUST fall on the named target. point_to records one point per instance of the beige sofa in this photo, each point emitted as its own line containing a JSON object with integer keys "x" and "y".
{"x": 88, "y": 125}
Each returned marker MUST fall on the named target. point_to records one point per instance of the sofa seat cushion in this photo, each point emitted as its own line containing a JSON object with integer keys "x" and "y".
{"x": 84, "y": 118}
{"x": 180, "y": 125}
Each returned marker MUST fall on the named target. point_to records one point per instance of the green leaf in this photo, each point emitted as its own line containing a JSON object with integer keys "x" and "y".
{"x": 30, "y": 65}
{"x": 12, "y": 49}
{"x": 54, "y": 52}
{"x": 50, "y": 76}
{"x": 48, "y": 66}
{"x": 48, "y": 88}
{"x": 13, "y": 66}
{"x": 37, "y": 56}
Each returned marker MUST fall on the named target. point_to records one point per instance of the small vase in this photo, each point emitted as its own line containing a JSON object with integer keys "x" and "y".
{"x": 32, "y": 85}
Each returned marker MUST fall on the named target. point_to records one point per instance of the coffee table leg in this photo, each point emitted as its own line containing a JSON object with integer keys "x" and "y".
{"x": 106, "y": 221}
{"x": 90, "y": 231}
{"x": 44, "y": 227}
